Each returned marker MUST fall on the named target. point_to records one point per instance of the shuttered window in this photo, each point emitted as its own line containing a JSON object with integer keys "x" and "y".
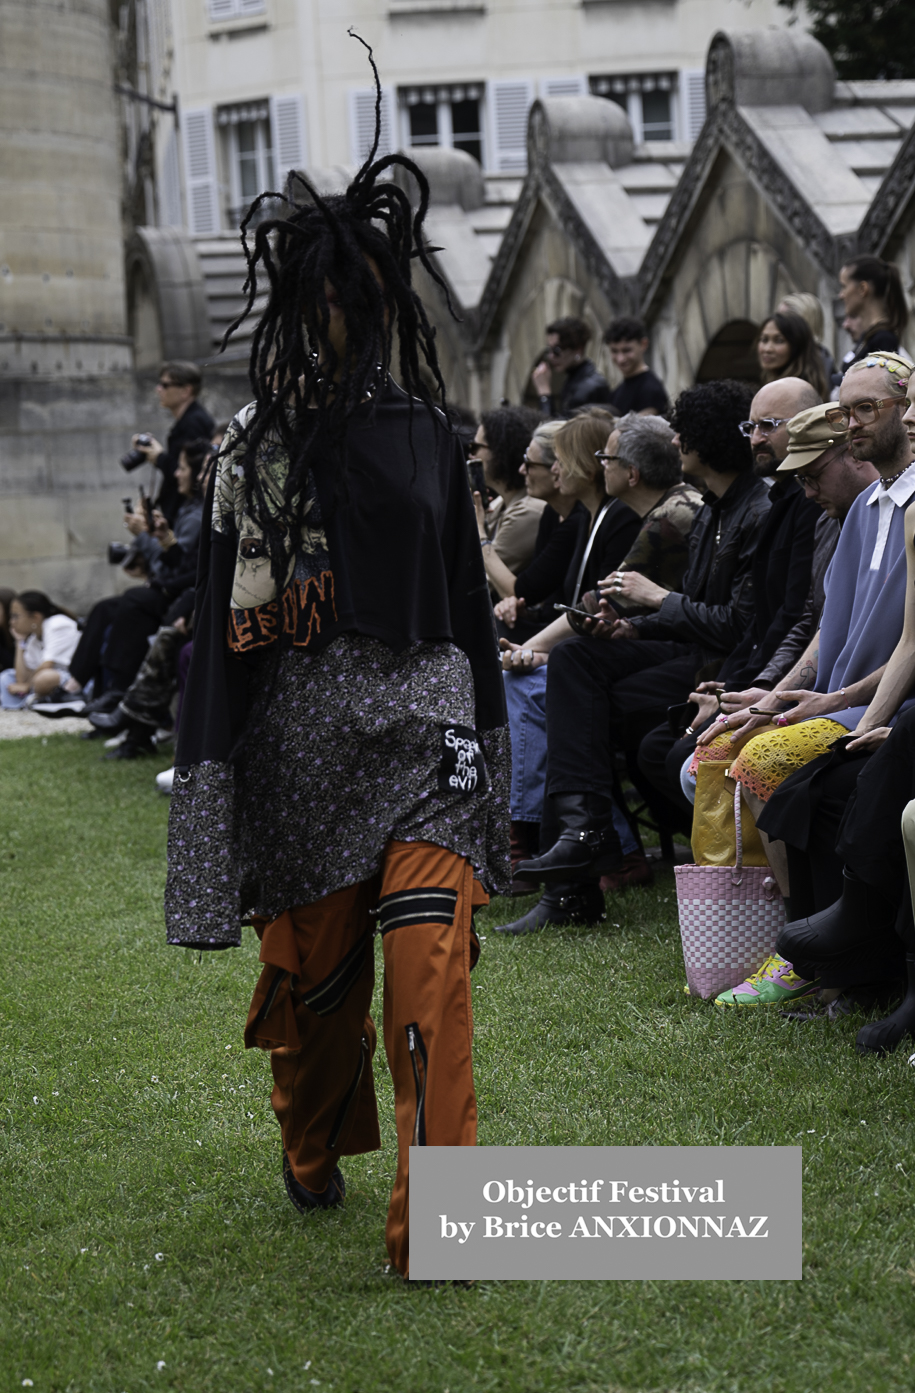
{"x": 200, "y": 172}
{"x": 692, "y": 85}
{"x": 362, "y": 122}
{"x": 287, "y": 117}
{"x": 220, "y": 10}
{"x": 509, "y": 103}
{"x": 575, "y": 86}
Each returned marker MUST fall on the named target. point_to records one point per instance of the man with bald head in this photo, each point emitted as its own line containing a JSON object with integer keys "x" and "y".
{"x": 780, "y": 578}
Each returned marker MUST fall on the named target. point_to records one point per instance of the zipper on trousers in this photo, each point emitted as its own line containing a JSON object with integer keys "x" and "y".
{"x": 349, "y": 1098}
{"x": 270, "y": 998}
{"x": 420, "y": 1062}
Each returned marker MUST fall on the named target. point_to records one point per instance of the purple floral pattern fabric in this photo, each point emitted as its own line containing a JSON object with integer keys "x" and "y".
{"x": 342, "y": 754}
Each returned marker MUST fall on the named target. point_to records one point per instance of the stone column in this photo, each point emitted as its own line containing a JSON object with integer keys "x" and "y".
{"x": 66, "y": 381}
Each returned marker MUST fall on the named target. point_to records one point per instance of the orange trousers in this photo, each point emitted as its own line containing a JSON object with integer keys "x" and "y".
{"x": 311, "y": 1010}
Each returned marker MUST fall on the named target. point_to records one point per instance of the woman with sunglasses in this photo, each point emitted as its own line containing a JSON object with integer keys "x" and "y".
{"x": 526, "y": 598}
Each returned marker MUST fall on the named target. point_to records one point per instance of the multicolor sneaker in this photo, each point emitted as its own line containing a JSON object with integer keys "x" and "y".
{"x": 775, "y": 982}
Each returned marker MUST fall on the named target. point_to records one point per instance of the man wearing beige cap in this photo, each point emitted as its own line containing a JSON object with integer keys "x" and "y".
{"x": 820, "y": 458}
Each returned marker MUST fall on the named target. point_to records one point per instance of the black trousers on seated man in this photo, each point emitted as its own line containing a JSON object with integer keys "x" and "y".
{"x": 863, "y": 936}
{"x": 602, "y": 696}
{"x": 116, "y": 636}
{"x": 605, "y": 695}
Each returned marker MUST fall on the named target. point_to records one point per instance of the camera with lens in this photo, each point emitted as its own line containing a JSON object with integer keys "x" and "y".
{"x": 134, "y": 458}
{"x": 117, "y": 553}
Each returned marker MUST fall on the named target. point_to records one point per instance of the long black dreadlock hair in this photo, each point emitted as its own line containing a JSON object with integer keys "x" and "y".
{"x": 294, "y": 367}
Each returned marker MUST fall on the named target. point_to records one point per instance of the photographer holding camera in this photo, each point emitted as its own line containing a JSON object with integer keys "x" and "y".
{"x": 116, "y": 636}
{"x": 177, "y": 390}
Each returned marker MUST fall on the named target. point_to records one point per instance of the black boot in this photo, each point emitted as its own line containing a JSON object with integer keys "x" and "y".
{"x": 882, "y": 1036}
{"x": 862, "y": 918}
{"x": 588, "y": 844}
{"x": 561, "y": 905}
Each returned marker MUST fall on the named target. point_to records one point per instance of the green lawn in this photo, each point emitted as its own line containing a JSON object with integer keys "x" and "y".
{"x": 144, "y": 1220}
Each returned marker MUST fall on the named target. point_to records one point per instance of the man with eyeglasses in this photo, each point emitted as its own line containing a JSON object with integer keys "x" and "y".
{"x": 836, "y": 678}
{"x": 177, "y": 392}
{"x": 566, "y": 341}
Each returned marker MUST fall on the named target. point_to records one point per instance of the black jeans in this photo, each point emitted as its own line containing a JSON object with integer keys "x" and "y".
{"x": 116, "y": 636}
{"x": 605, "y": 695}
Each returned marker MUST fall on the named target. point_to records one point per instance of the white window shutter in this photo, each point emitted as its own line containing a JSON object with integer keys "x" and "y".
{"x": 362, "y": 122}
{"x": 200, "y": 172}
{"x": 509, "y": 103}
{"x": 287, "y": 125}
{"x": 574, "y": 86}
{"x": 692, "y": 96}
{"x": 222, "y": 9}
{"x": 252, "y": 7}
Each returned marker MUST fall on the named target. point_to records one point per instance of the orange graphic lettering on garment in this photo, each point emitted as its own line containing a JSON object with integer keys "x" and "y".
{"x": 299, "y": 612}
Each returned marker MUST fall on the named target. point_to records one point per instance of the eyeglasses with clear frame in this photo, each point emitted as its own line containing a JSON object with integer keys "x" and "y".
{"x": 864, "y": 412}
{"x": 765, "y": 426}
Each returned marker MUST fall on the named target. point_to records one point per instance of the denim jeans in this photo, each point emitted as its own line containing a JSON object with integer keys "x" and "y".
{"x": 8, "y": 700}
{"x": 525, "y": 695}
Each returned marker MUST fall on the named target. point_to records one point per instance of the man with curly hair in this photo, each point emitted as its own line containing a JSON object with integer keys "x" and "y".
{"x": 607, "y": 689}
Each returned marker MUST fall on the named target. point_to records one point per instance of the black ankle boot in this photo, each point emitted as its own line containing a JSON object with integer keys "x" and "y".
{"x": 862, "y": 918}
{"x": 880, "y": 1037}
{"x": 588, "y": 844}
{"x": 561, "y": 905}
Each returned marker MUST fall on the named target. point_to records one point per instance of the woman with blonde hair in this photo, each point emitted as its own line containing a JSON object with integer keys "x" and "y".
{"x": 811, "y": 311}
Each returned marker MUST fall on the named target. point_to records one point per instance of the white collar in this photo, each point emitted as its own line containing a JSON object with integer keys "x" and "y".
{"x": 900, "y": 492}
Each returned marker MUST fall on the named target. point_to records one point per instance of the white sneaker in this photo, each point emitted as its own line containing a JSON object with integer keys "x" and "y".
{"x": 165, "y": 780}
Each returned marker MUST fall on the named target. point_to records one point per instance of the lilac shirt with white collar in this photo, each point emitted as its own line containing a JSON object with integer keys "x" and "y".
{"x": 865, "y": 592}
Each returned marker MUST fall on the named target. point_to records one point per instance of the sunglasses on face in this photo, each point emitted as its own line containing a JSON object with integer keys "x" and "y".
{"x": 864, "y": 412}
{"x": 164, "y": 385}
{"x": 534, "y": 463}
{"x": 765, "y": 426}
{"x": 554, "y": 351}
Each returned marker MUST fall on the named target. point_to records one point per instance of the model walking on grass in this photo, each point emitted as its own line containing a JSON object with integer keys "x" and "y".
{"x": 343, "y": 762}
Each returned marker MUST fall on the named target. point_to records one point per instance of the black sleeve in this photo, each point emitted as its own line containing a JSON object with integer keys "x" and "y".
{"x": 722, "y": 625}
{"x": 183, "y": 607}
{"x": 473, "y": 626}
{"x": 547, "y": 571}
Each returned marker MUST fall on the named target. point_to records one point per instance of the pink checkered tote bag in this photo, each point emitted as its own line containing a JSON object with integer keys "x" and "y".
{"x": 730, "y": 917}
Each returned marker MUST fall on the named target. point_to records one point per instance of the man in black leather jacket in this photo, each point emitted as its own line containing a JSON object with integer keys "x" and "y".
{"x": 567, "y": 340}
{"x": 608, "y": 689}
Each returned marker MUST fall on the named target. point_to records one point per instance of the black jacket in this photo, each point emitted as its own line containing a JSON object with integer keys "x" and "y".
{"x": 583, "y": 385}
{"x": 541, "y": 582}
{"x": 716, "y": 605}
{"x": 195, "y": 423}
{"x": 407, "y": 565}
{"x": 781, "y": 579}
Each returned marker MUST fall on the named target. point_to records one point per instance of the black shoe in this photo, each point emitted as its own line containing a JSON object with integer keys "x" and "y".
{"x": 883, "y": 1036}
{"x": 59, "y": 703}
{"x": 106, "y": 702}
{"x": 588, "y": 844}
{"x": 861, "y": 919}
{"x": 133, "y": 746}
{"x": 561, "y": 905}
{"x": 307, "y": 1201}
{"x": 111, "y": 722}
